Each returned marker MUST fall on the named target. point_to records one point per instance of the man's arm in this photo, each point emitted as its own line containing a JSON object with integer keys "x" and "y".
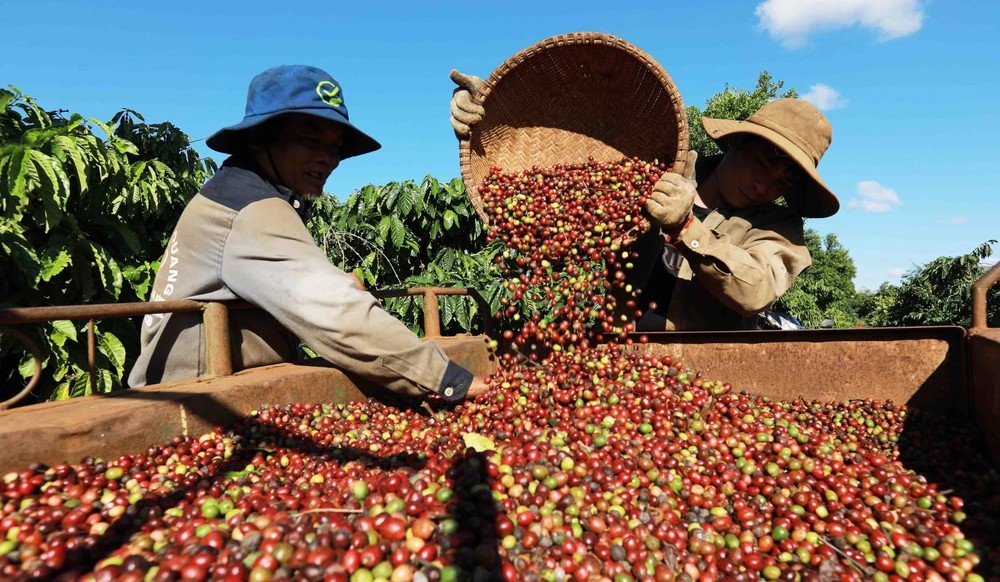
{"x": 749, "y": 276}
{"x": 271, "y": 260}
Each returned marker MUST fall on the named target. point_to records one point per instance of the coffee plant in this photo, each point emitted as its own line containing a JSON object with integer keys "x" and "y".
{"x": 84, "y": 207}
{"x": 402, "y": 235}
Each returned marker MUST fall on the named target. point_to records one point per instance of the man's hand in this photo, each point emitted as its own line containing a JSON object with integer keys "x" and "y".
{"x": 357, "y": 281}
{"x": 669, "y": 206}
{"x": 465, "y": 110}
{"x": 479, "y": 386}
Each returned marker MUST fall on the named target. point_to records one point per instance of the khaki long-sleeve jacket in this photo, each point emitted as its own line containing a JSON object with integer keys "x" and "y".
{"x": 240, "y": 238}
{"x": 735, "y": 264}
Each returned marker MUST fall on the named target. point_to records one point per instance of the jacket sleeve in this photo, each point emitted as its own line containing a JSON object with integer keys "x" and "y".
{"x": 271, "y": 261}
{"x": 746, "y": 267}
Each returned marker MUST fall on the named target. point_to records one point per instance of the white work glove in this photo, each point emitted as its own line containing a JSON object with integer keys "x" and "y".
{"x": 465, "y": 110}
{"x": 669, "y": 206}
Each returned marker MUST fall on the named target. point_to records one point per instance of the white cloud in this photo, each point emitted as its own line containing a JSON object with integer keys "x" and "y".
{"x": 792, "y": 21}
{"x": 895, "y": 272}
{"x": 824, "y": 97}
{"x": 874, "y": 197}
{"x": 953, "y": 220}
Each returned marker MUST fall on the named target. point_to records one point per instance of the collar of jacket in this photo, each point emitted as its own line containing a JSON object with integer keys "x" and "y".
{"x": 298, "y": 202}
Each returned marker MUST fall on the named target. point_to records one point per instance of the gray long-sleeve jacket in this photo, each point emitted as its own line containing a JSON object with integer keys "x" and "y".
{"x": 240, "y": 238}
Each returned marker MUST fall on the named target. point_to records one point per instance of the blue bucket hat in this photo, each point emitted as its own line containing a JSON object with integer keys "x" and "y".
{"x": 294, "y": 89}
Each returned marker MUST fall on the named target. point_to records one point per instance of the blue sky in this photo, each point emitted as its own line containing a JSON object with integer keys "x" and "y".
{"x": 910, "y": 86}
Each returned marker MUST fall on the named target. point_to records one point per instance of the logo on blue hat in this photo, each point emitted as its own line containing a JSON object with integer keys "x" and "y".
{"x": 328, "y": 93}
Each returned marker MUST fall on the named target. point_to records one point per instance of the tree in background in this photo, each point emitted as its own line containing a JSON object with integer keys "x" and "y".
{"x": 826, "y": 289}
{"x": 938, "y": 293}
{"x": 874, "y": 306}
{"x": 732, "y": 104}
{"x": 84, "y": 206}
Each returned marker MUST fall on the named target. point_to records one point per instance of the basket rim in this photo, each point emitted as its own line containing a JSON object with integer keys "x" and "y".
{"x": 511, "y": 63}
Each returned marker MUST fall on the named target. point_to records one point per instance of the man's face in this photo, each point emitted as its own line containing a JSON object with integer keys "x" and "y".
{"x": 304, "y": 153}
{"x": 755, "y": 172}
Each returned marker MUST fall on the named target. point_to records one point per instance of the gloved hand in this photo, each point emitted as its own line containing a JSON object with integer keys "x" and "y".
{"x": 465, "y": 110}
{"x": 669, "y": 206}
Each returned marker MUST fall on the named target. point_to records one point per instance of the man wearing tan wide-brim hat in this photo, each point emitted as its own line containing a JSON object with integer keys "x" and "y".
{"x": 731, "y": 251}
{"x": 801, "y": 132}
{"x": 724, "y": 251}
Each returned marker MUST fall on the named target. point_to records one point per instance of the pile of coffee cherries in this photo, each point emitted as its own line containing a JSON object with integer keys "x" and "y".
{"x": 602, "y": 464}
{"x": 567, "y": 230}
{"x": 587, "y": 460}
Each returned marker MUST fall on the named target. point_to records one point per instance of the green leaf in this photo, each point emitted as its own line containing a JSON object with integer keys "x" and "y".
{"x": 113, "y": 348}
{"x": 494, "y": 291}
{"x": 60, "y": 371}
{"x": 383, "y": 227}
{"x": 398, "y": 232}
{"x": 55, "y": 178}
{"x": 407, "y": 201}
{"x": 18, "y": 248}
{"x": 75, "y": 121}
{"x": 368, "y": 262}
{"x": 140, "y": 278}
{"x": 27, "y": 366}
{"x": 106, "y": 381}
{"x": 6, "y": 99}
{"x": 80, "y": 385}
{"x": 62, "y": 391}
{"x": 463, "y": 312}
{"x": 446, "y": 260}
{"x": 449, "y": 219}
{"x": 125, "y": 147}
{"x": 447, "y": 305}
{"x": 478, "y": 442}
{"x": 116, "y": 277}
{"x": 65, "y": 327}
{"x": 17, "y": 173}
{"x": 35, "y": 113}
{"x": 53, "y": 264}
{"x": 108, "y": 269}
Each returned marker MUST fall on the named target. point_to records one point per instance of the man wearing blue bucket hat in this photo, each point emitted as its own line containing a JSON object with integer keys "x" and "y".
{"x": 243, "y": 237}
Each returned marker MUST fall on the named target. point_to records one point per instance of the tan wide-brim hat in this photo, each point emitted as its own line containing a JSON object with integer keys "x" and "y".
{"x": 800, "y": 130}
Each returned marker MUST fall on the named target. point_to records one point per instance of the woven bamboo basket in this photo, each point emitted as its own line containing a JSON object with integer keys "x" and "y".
{"x": 569, "y": 98}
